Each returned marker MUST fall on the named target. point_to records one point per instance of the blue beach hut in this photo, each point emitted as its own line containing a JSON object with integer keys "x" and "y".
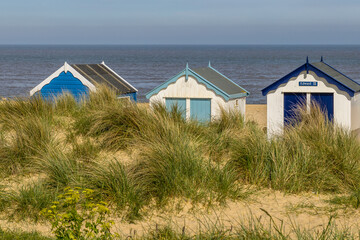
{"x": 80, "y": 79}
{"x": 336, "y": 94}
{"x": 200, "y": 93}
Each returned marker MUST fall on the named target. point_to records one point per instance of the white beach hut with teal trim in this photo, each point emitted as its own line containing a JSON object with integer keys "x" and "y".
{"x": 200, "y": 93}
{"x": 336, "y": 94}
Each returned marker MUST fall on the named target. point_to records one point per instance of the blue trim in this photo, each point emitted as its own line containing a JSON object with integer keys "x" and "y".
{"x": 188, "y": 72}
{"x": 283, "y": 80}
{"x": 239, "y": 95}
{"x": 331, "y": 80}
{"x": 200, "y": 79}
{"x": 307, "y": 67}
{"x": 164, "y": 85}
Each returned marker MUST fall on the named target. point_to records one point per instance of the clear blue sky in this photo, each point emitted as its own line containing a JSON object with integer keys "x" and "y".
{"x": 179, "y": 22}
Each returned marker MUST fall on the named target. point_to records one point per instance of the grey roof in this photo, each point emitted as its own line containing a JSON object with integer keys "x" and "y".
{"x": 219, "y": 80}
{"x": 101, "y": 74}
{"x": 338, "y": 76}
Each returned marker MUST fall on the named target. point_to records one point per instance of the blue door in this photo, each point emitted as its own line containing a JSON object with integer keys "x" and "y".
{"x": 180, "y": 103}
{"x": 291, "y": 101}
{"x": 200, "y": 109}
{"x": 325, "y": 102}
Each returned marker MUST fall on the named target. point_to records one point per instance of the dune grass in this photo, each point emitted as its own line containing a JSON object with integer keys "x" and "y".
{"x": 313, "y": 154}
{"x": 74, "y": 143}
{"x": 20, "y": 235}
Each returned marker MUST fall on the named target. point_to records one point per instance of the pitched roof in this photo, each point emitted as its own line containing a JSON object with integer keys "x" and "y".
{"x": 102, "y": 74}
{"x": 332, "y": 72}
{"x": 211, "y": 78}
{"x": 323, "y": 70}
{"x": 219, "y": 80}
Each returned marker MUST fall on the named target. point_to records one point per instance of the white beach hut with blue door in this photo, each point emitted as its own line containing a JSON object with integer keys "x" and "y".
{"x": 336, "y": 94}
{"x": 80, "y": 79}
{"x": 200, "y": 93}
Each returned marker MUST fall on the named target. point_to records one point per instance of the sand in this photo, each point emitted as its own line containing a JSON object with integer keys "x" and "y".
{"x": 308, "y": 211}
{"x": 257, "y": 113}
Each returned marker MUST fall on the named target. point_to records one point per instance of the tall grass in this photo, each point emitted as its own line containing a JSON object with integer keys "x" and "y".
{"x": 21, "y": 108}
{"x": 313, "y": 154}
{"x": 254, "y": 228}
{"x": 25, "y": 138}
{"x": 110, "y": 181}
{"x": 20, "y": 235}
{"x": 30, "y": 199}
{"x": 173, "y": 158}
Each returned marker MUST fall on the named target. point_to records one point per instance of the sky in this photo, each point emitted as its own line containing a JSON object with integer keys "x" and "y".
{"x": 180, "y": 22}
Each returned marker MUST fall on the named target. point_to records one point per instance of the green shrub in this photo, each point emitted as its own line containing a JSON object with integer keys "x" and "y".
{"x": 76, "y": 216}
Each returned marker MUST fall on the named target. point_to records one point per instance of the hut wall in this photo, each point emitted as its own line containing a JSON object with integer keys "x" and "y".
{"x": 355, "y": 112}
{"x": 191, "y": 88}
{"x": 275, "y": 101}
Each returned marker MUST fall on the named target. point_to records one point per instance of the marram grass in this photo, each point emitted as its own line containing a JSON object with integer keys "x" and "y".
{"x": 169, "y": 157}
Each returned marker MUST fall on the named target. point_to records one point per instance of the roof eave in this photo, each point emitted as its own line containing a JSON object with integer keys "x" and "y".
{"x": 208, "y": 84}
{"x": 239, "y": 95}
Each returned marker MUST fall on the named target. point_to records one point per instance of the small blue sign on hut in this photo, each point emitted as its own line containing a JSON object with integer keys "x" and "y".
{"x": 80, "y": 79}
{"x": 308, "y": 84}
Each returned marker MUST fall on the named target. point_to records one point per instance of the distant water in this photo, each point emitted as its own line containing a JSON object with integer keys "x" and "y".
{"x": 145, "y": 67}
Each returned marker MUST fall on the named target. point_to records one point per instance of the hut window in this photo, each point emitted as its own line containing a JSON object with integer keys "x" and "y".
{"x": 236, "y": 102}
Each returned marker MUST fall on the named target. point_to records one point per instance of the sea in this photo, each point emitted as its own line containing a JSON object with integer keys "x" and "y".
{"x": 253, "y": 67}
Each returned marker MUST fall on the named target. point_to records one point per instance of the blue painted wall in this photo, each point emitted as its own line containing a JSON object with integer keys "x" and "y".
{"x": 65, "y": 82}
{"x": 200, "y": 109}
{"x": 133, "y": 96}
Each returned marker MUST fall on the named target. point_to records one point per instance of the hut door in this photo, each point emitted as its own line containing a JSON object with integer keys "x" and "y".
{"x": 179, "y": 103}
{"x": 200, "y": 109}
{"x": 291, "y": 101}
{"x": 325, "y": 102}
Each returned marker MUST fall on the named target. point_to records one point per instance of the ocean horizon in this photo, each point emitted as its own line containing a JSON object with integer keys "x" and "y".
{"x": 253, "y": 67}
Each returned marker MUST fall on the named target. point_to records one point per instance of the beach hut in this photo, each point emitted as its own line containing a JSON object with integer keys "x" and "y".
{"x": 200, "y": 93}
{"x": 79, "y": 79}
{"x": 336, "y": 94}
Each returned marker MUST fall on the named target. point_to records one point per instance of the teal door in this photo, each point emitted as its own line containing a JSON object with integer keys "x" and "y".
{"x": 200, "y": 109}
{"x": 180, "y": 103}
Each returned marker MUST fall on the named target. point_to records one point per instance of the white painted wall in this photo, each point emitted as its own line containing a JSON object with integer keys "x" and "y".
{"x": 275, "y": 101}
{"x": 355, "y": 112}
{"x": 193, "y": 89}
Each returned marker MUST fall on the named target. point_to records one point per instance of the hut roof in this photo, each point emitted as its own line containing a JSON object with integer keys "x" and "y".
{"x": 211, "y": 78}
{"x": 102, "y": 74}
{"x": 219, "y": 80}
{"x": 332, "y": 72}
{"x": 322, "y": 70}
